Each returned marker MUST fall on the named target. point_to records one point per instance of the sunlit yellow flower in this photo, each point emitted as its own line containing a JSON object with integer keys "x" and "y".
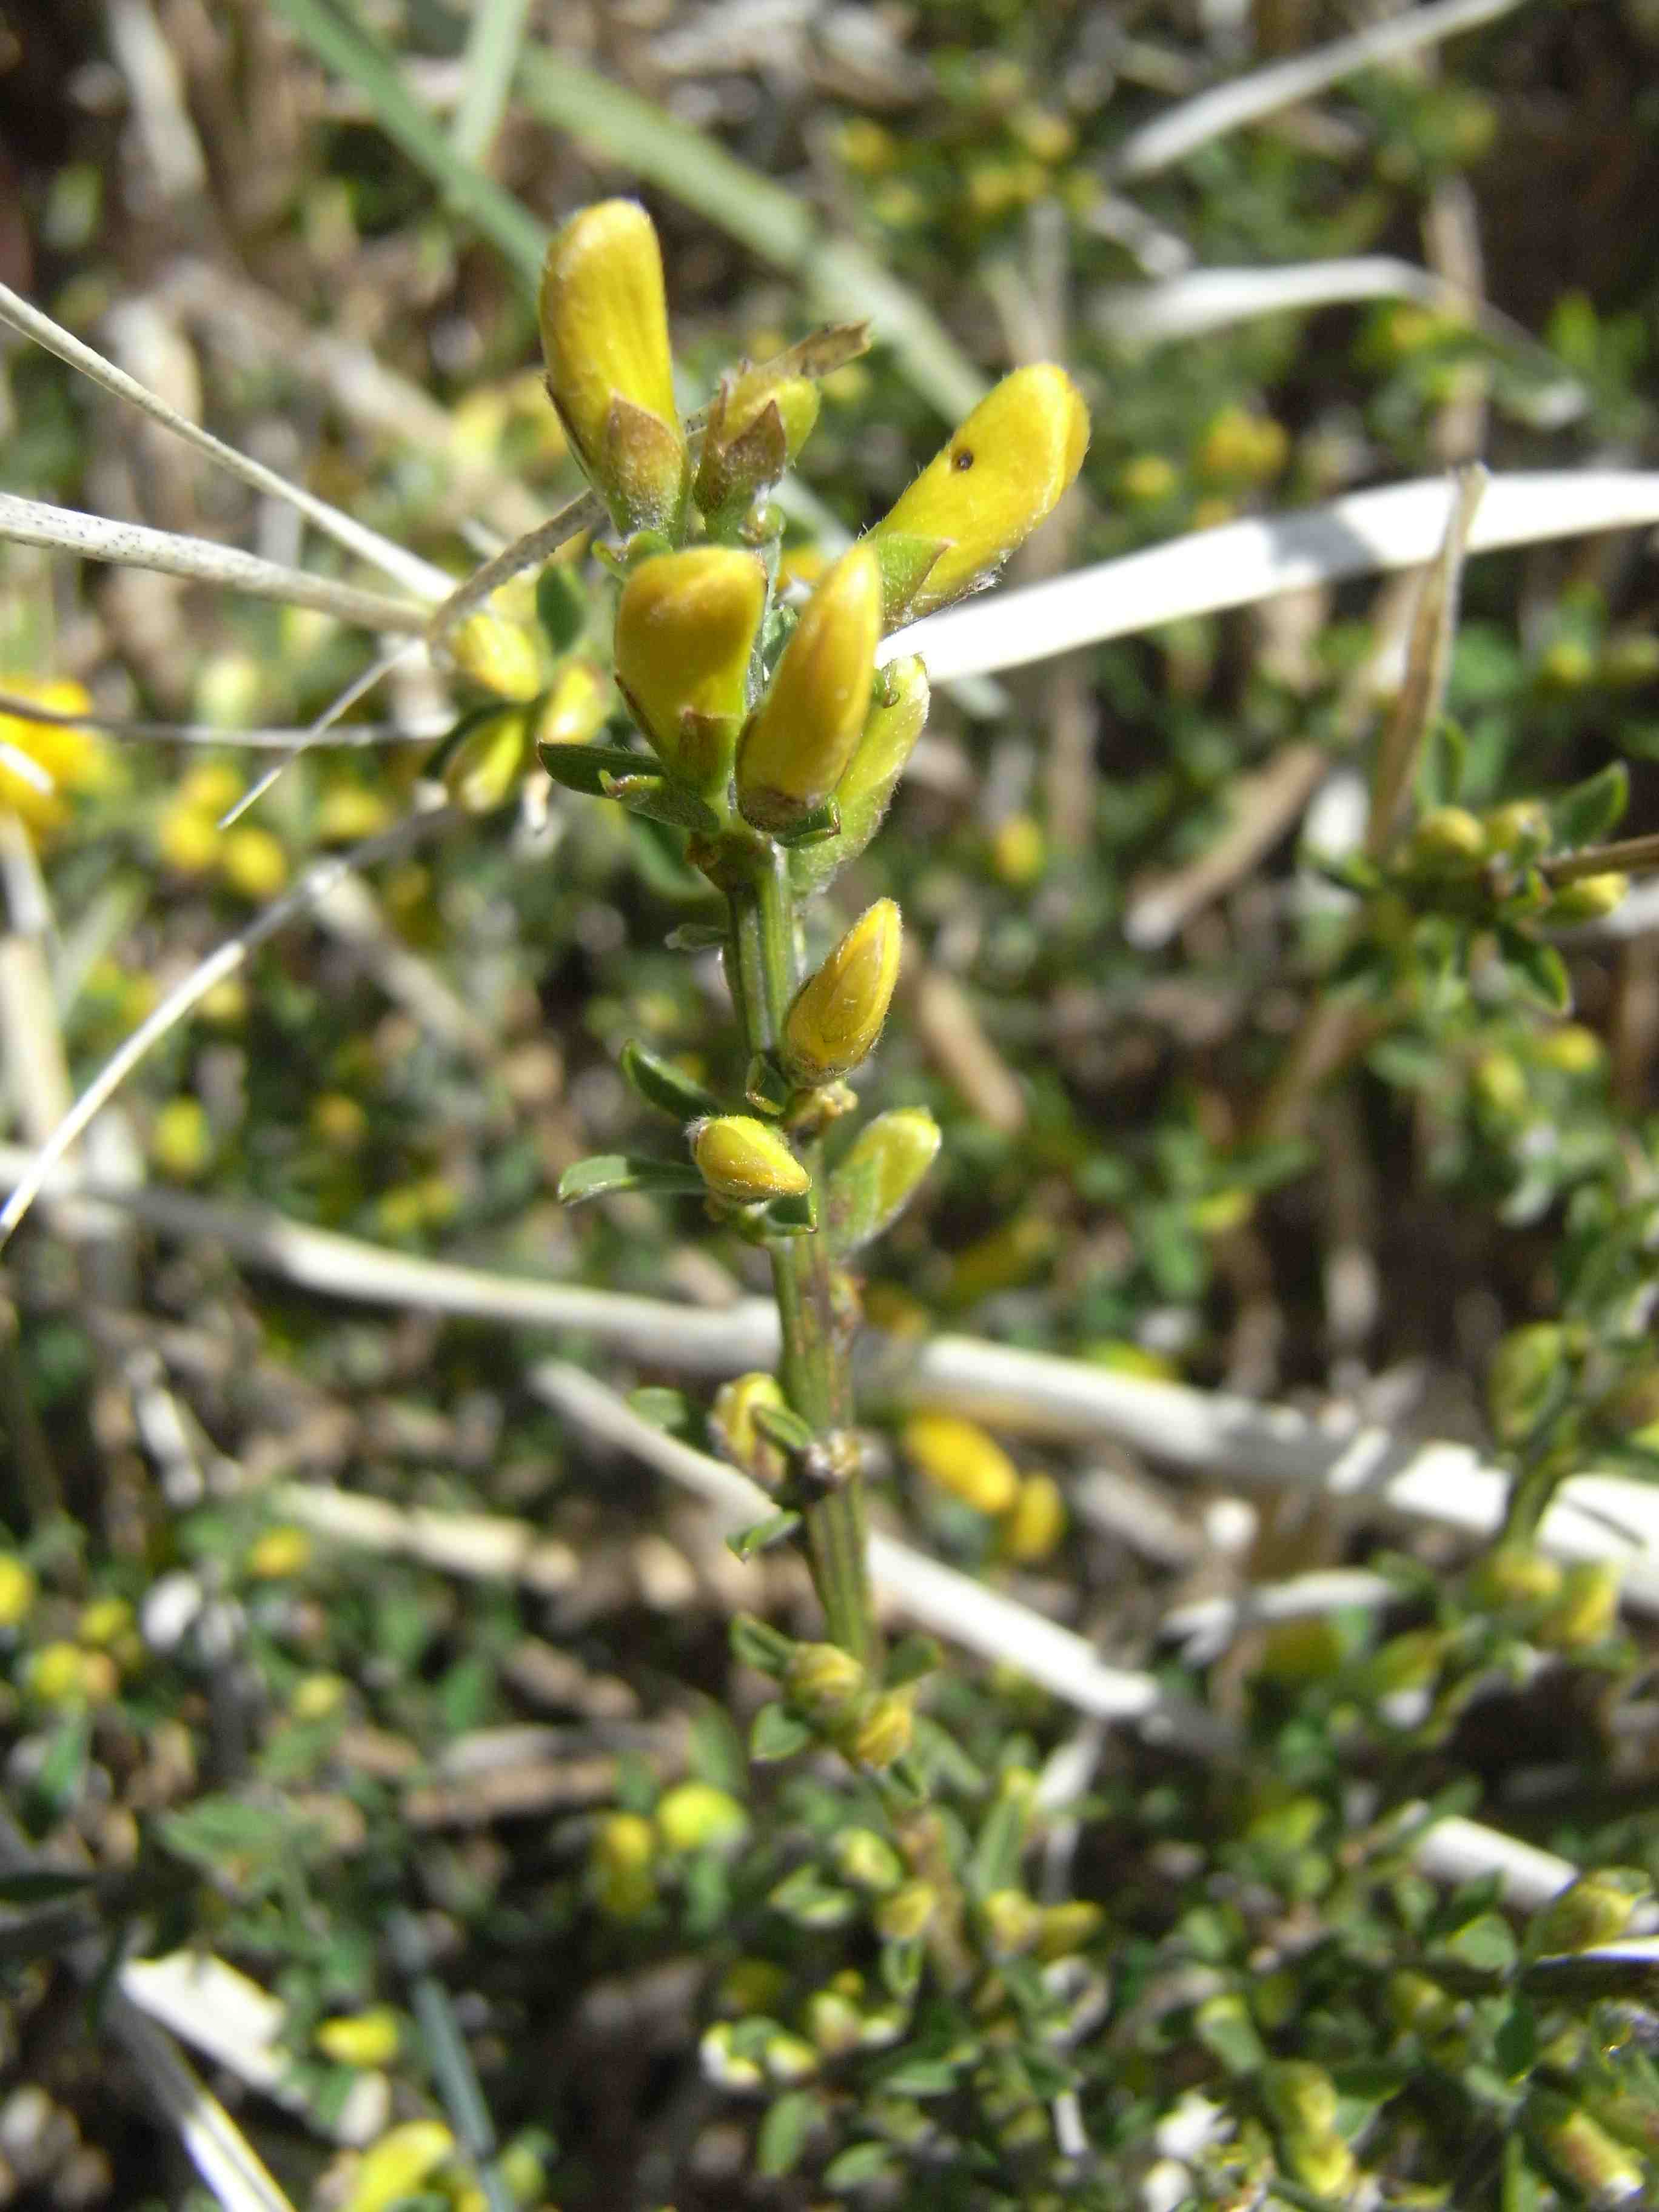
{"x": 69, "y": 759}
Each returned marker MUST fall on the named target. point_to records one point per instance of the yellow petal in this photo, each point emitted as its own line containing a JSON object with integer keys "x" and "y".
{"x": 806, "y": 728}
{"x": 838, "y": 1013}
{"x": 1001, "y": 475}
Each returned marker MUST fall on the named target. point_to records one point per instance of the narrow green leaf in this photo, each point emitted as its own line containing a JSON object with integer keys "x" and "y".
{"x": 762, "y": 1534}
{"x": 777, "y": 1734}
{"x": 582, "y": 768}
{"x": 602, "y": 1175}
{"x": 658, "y": 801}
{"x": 664, "y": 1086}
{"x": 785, "y": 2132}
{"x": 43, "y": 1885}
{"x": 757, "y": 1644}
{"x": 1591, "y": 809}
{"x": 1539, "y": 970}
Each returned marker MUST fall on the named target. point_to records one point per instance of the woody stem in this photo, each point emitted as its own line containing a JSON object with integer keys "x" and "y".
{"x": 764, "y": 967}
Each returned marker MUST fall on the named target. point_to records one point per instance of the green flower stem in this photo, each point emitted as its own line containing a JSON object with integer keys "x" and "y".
{"x": 764, "y": 970}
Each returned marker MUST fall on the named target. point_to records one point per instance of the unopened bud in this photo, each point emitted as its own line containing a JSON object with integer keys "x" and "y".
{"x": 695, "y": 1816}
{"x": 360, "y": 2038}
{"x": 823, "y": 1680}
{"x": 500, "y": 655}
{"x": 1035, "y": 1523}
{"x": 604, "y": 337}
{"x": 1590, "y": 898}
{"x": 1001, "y": 475}
{"x": 577, "y": 707}
{"x": 1066, "y": 1927}
{"x": 1522, "y": 1378}
{"x": 906, "y": 1914}
{"x": 398, "y": 2165}
{"x": 870, "y": 777}
{"x": 837, "y": 1014}
{"x": 486, "y": 767}
{"x": 733, "y": 1418}
{"x": 760, "y": 419}
{"x": 1449, "y": 841}
{"x": 1588, "y": 1610}
{"x": 1519, "y": 831}
{"x": 17, "y": 1590}
{"x": 742, "y": 1159}
{"x": 1299, "y": 2095}
{"x": 1596, "y": 1909}
{"x": 867, "y": 1860}
{"x": 884, "y": 1733}
{"x": 685, "y": 626}
{"x": 1582, "y": 2152}
{"x": 789, "y": 2057}
{"x": 958, "y": 1457}
{"x": 1514, "y": 1574}
{"x": 1013, "y": 1922}
{"x": 834, "y": 2022}
{"x": 805, "y": 730}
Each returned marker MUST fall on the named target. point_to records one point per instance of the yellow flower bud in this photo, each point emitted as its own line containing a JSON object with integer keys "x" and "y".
{"x": 181, "y": 1139}
{"x": 499, "y": 655}
{"x": 743, "y": 1160}
{"x": 360, "y": 2039}
{"x": 576, "y": 708}
{"x": 958, "y": 1457}
{"x": 347, "y": 812}
{"x": 884, "y": 1733}
{"x": 685, "y": 626}
{"x": 1013, "y": 1922}
{"x": 821, "y": 1680}
{"x": 834, "y": 2022}
{"x": 1589, "y": 1609}
{"x": 252, "y": 861}
{"x": 1018, "y": 851}
{"x": 187, "y": 839}
{"x": 1590, "y": 898}
{"x": 398, "y": 2164}
{"x": 870, "y": 777}
{"x": 905, "y": 1915}
{"x": 625, "y": 1843}
{"x": 838, "y": 1013}
{"x": 1570, "y": 1050}
{"x": 56, "y": 1674}
{"x": 867, "y": 1860}
{"x": 1066, "y": 1927}
{"x": 1513, "y": 1574}
{"x": 805, "y": 730}
{"x": 17, "y": 1587}
{"x": 1001, "y": 475}
{"x": 1596, "y": 1909}
{"x": 1035, "y": 1522}
{"x": 1520, "y": 830}
{"x": 486, "y": 767}
{"x": 1449, "y": 841}
{"x": 279, "y": 1553}
{"x": 880, "y": 1176}
{"x": 1242, "y": 447}
{"x": 70, "y": 758}
{"x": 734, "y": 1419}
{"x": 604, "y": 339}
{"x": 318, "y": 1697}
{"x": 104, "y": 1622}
{"x": 1599, "y": 2168}
{"x": 695, "y": 1816}
{"x": 760, "y": 418}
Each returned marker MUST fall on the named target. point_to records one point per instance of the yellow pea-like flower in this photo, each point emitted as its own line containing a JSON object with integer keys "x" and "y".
{"x": 732, "y": 1417}
{"x": 760, "y": 419}
{"x": 360, "y": 2038}
{"x": 685, "y": 626}
{"x": 838, "y": 1013}
{"x": 742, "y": 1159}
{"x": 958, "y": 1456}
{"x": 868, "y": 781}
{"x": 398, "y": 2163}
{"x": 807, "y": 729}
{"x": 65, "y": 758}
{"x": 1035, "y": 1522}
{"x": 501, "y": 656}
{"x": 1001, "y": 475}
{"x": 885, "y": 1733}
{"x": 17, "y": 1590}
{"x": 696, "y": 1816}
{"x": 610, "y": 374}
{"x": 576, "y": 708}
{"x": 486, "y": 767}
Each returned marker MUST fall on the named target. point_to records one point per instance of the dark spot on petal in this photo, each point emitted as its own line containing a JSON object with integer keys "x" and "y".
{"x": 962, "y": 458}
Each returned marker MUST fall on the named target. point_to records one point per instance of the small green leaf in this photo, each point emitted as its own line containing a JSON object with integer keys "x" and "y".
{"x": 602, "y": 1175}
{"x": 745, "y": 1543}
{"x": 1537, "y": 971}
{"x": 785, "y": 2132}
{"x": 857, "y": 2166}
{"x": 777, "y": 1734}
{"x": 794, "y": 1216}
{"x": 665, "y": 1409}
{"x": 912, "y": 1657}
{"x": 695, "y": 936}
{"x": 664, "y": 1086}
{"x": 1591, "y": 809}
{"x": 1484, "y": 1946}
{"x": 658, "y": 801}
{"x": 757, "y": 1644}
{"x": 582, "y": 768}
{"x": 811, "y": 1902}
{"x": 813, "y": 829}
